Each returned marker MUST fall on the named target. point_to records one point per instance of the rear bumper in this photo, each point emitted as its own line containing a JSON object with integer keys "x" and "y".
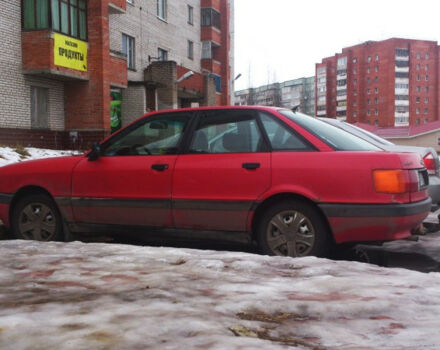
{"x": 5, "y": 200}
{"x": 434, "y": 190}
{"x": 383, "y": 222}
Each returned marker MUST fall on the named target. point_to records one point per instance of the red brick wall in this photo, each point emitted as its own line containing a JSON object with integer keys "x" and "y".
{"x": 118, "y": 71}
{"x": 37, "y": 52}
{"x": 119, "y": 3}
{"x": 87, "y": 104}
{"x": 211, "y": 34}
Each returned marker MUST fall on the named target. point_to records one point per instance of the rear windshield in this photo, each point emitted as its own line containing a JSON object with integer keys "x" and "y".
{"x": 369, "y": 134}
{"x": 336, "y": 138}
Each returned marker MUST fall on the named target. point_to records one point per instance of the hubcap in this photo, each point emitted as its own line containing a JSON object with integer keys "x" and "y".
{"x": 37, "y": 222}
{"x": 290, "y": 233}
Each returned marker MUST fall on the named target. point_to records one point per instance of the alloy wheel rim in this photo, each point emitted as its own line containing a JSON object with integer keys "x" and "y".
{"x": 37, "y": 222}
{"x": 290, "y": 233}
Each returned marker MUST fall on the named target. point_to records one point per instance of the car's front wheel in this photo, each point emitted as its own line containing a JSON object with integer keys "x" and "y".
{"x": 36, "y": 217}
{"x": 293, "y": 228}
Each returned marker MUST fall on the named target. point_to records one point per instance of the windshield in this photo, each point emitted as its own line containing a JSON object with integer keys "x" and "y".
{"x": 336, "y": 138}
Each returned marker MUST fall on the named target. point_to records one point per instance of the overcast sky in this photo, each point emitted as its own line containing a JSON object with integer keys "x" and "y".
{"x": 278, "y": 40}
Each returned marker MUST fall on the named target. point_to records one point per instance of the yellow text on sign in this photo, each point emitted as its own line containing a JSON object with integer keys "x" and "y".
{"x": 70, "y": 53}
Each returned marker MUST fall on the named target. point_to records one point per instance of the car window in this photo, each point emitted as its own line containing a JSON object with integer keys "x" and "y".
{"x": 281, "y": 137}
{"x": 226, "y": 132}
{"x": 336, "y": 138}
{"x": 153, "y": 136}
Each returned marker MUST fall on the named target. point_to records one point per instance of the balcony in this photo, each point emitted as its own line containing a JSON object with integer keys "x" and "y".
{"x": 402, "y": 69}
{"x": 401, "y": 121}
{"x": 321, "y": 112}
{"x": 341, "y": 98}
{"x": 401, "y": 103}
{"x": 341, "y": 76}
{"x": 402, "y": 80}
{"x": 341, "y": 108}
{"x": 342, "y": 119}
{"x": 117, "y": 7}
{"x": 38, "y": 56}
{"x": 402, "y": 58}
{"x": 211, "y": 34}
{"x": 212, "y": 66}
{"x": 342, "y": 87}
{"x": 401, "y": 114}
{"x": 401, "y": 91}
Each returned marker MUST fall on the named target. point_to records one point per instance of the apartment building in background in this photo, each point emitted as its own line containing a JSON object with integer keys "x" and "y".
{"x": 72, "y": 71}
{"x": 292, "y": 93}
{"x": 390, "y": 83}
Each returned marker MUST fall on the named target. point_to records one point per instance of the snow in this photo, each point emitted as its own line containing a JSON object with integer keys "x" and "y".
{"x": 10, "y": 155}
{"x": 110, "y": 296}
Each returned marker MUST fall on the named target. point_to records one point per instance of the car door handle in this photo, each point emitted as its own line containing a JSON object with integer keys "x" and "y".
{"x": 159, "y": 167}
{"x": 250, "y": 166}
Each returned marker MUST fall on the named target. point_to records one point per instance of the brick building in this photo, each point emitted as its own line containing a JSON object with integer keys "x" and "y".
{"x": 298, "y": 92}
{"x": 71, "y": 70}
{"x": 394, "y": 82}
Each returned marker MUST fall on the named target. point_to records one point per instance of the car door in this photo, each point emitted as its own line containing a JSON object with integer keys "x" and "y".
{"x": 130, "y": 183}
{"x": 222, "y": 174}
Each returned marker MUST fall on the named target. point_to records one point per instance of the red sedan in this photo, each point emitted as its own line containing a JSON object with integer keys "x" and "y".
{"x": 290, "y": 182}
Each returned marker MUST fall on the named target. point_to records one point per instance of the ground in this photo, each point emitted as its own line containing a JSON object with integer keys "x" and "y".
{"x": 122, "y": 296}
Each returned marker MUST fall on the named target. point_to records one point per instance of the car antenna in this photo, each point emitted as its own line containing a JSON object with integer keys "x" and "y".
{"x": 296, "y": 108}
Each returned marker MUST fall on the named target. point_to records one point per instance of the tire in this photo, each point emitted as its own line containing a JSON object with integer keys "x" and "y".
{"x": 36, "y": 217}
{"x": 284, "y": 223}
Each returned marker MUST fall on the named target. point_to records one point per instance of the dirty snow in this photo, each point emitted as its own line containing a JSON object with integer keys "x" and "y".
{"x": 101, "y": 296}
{"x": 10, "y": 155}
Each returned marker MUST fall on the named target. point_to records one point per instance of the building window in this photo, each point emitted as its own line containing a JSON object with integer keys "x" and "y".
{"x": 39, "y": 107}
{"x": 65, "y": 16}
{"x": 355, "y": 81}
{"x": 368, "y": 91}
{"x": 368, "y": 80}
{"x": 190, "y": 50}
{"x": 376, "y": 79}
{"x": 368, "y": 70}
{"x": 376, "y": 90}
{"x": 162, "y": 55}
{"x": 426, "y": 110}
{"x": 376, "y": 58}
{"x": 426, "y": 55}
{"x": 368, "y": 102}
{"x": 190, "y": 15}
{"x": 355, "y": 92}
{"x": 376, "y": 69}
{"x": 162, "y": 9}
{"x": 417, "y": 110}
{"x": 418, "y": 88}
{"x": 369, "y": 59}
{"x": 128, "y": 50}
{"x": 426, "y": 120}
{"x": 426, "y": 88}
{"x": 418, "y": 66}
{"x": 426, "y": 99}
{"x": 355, "y": 71}
{"x": 418, "y": 121}
{"x": 426, "y": 77}
{"x": 368, "y": 112}
{"x": 355, "y": 114}
{"x": 130, "y": 2}
{"x": 210, "y": 18}
{"x": 417, "y": 99}
{"x": 354, "y": 104}
{"x": 207, "y": 52}
{"x": 376, "y": 100}
{"x": 355, "y": 60}
{"x": 217, "y": 82}
{"x": 418, "y": 77}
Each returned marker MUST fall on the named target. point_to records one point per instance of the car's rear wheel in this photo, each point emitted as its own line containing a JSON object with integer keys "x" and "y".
{"x": 36, "y": 217}
{"x": 293, "y": 228}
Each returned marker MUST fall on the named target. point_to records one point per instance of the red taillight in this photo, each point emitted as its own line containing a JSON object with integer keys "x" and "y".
{"x": 429, "y": 163}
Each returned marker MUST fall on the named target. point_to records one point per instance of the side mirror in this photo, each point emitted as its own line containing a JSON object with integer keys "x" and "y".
{"x": 95, "y": 153}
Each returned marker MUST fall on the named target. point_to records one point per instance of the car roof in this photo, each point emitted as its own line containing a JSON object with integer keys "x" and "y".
{"x": 209, "y": 108}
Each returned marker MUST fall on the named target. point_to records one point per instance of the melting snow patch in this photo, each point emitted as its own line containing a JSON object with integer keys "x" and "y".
{"x": 96, "y": 296}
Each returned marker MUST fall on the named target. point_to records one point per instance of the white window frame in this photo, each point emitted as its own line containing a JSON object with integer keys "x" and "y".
{"x": 161, "y": 10}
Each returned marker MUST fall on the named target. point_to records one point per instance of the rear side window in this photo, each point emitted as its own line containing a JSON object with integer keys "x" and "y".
{"x": 281, "y": 137}
{"x": 336, "y": 138}
{"x": 227, "y": 132}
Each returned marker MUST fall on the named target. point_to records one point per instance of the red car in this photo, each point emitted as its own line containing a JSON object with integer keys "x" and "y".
{"x": 294, "y": 184}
